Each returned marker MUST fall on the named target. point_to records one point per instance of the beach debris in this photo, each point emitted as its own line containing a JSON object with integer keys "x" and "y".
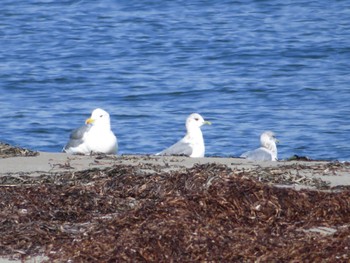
{"x": 7, "y": 151}
{"x": 206, "y": 213}
{"x": 299, "y": 158}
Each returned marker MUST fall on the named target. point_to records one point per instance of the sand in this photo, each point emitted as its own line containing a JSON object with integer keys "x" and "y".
{"x": 298, "y": 174}
{"x": 114, "y": 208}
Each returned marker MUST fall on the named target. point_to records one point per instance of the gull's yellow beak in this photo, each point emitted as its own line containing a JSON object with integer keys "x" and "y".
{"x": 207, "y": 122}
{"x": 89, "y": 121}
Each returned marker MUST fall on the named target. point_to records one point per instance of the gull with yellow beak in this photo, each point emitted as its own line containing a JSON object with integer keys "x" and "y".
{"x": 267, "y": 151}
{"x": 193, "y": 143}
{"x": 95, "y": 136}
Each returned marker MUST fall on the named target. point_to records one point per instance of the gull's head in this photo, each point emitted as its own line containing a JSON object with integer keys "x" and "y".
{"x": 99, "y": 117}
{"x": 268, "y": 140}
{"x": 195, "y": 120}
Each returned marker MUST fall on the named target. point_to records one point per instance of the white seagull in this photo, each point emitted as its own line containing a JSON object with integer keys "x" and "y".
{"x": 192, "y": 144}
{"x": 95, "y": 136}
{"x": 267, "y": 151}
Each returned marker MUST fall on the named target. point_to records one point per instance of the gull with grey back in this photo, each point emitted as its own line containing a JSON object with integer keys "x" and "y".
{"x": 192, "y": 144}
{"x": 267, "y": 151}
{"x": 95, "y": 136}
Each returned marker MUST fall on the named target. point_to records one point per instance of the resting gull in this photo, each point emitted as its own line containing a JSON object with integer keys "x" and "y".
{"x": 192, "y": 144}
{"x": 267, "y": 151}
{"x": 95, "y": 136}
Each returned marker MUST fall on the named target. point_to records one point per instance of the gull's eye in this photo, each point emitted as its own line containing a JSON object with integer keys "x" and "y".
{"x": 196, "y": 119}
{"x": 101, "y": 116}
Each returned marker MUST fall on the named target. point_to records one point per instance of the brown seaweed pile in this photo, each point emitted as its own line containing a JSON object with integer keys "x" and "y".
{"x": 7, "y": 150}
{"x": 207, "y": 213}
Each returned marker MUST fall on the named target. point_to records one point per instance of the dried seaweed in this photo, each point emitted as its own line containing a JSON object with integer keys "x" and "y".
{"x": 207, "y": 213}
{"x": 7, "y": 150}
{"x": 285, "y": 175}
{"x": 294, "y": 174}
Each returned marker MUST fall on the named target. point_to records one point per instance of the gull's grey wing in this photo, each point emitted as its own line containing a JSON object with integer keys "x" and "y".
{"x": 76, "y": 137}
{"x": 259, "y": 154}
{"x": 179, "y": 148}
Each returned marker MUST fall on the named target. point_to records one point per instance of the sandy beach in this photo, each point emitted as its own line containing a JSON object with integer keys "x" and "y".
{"x": 149, "y": 208}
{"x": 297, "y": 174}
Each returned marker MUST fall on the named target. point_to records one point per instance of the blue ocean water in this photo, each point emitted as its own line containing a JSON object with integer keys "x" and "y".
{"x": 247, "y": 66}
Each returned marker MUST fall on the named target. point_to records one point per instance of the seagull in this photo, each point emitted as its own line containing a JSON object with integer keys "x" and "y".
{"x": 95, "y": 136}
{"x": 192, "y": 144}
{"x": 267, "y": 151}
